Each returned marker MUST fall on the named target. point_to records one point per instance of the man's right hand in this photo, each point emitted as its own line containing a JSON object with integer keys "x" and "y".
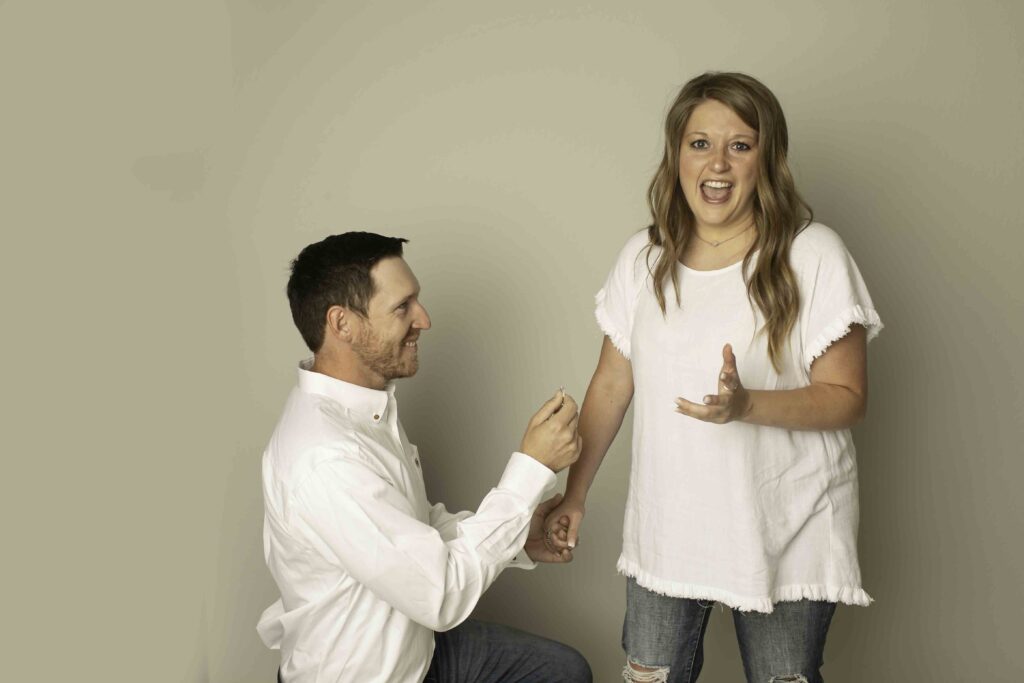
{"x": 551, "y": 437}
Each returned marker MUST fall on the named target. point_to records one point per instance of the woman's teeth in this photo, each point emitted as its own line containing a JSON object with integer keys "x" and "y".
{"x": 715, "y": 190}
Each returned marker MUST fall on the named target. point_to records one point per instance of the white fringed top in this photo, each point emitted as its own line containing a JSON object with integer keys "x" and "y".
{"x": 743, "y": 514}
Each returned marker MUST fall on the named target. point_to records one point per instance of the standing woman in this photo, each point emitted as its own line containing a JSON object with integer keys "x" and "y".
{"x": 741, "y": 327}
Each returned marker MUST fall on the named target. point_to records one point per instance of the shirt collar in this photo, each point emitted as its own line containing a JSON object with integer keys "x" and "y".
{"x": 363, "y": 402}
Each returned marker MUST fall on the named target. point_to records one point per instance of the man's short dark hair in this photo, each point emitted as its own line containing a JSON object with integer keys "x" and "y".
{"x": 335, "y": 272}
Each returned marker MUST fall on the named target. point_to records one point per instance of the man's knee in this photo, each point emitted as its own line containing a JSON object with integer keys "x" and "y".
{"x": 573, "y": 667}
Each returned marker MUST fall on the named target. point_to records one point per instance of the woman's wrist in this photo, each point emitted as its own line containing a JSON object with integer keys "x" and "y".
{"x": 574, "y": 496}
{"x": 745, "y": 408}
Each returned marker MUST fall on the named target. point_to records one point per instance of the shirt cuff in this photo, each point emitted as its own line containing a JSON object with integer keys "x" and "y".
{"x": 528, "y": 478}
{"x": 522, "y": 561}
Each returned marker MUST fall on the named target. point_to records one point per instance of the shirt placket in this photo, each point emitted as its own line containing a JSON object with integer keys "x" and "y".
{"x": 410, "y": 457}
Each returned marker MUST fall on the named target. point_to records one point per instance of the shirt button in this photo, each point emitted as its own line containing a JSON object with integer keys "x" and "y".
{"x": 376, "y": 417}
{"x": 417, "y": 460}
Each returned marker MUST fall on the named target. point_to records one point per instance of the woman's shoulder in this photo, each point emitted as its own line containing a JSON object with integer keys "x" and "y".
{"x": 638, "y": 244}
{"x": 815, "y": 241}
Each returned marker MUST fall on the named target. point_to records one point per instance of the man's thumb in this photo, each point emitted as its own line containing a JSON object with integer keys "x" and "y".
{"x": 550, "y": 407}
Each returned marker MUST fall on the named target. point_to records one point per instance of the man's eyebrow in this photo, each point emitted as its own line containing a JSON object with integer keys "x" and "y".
{"x": 406, "y": 298}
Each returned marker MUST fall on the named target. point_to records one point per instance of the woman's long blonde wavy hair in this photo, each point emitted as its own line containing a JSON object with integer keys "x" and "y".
{"x": 779, "y": 211}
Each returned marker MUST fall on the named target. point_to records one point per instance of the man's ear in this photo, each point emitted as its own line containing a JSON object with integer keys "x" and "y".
{"x": 340, "y": 323}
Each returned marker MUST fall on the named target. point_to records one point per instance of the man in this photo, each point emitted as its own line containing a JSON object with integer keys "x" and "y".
{"x": 376, "y": 584}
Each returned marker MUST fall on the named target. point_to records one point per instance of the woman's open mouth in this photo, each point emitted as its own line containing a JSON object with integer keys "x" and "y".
{"x": 716, "y": 191}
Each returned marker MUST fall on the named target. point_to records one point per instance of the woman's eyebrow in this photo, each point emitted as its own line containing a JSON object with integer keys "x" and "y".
{"x": 732, "y": 135}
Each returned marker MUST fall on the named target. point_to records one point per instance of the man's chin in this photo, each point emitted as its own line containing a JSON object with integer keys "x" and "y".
{"x": 411, "y": 362}
{"x": 407, "y": 369}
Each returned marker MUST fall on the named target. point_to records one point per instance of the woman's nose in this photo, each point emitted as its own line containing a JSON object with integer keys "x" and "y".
{"x": 719, "y": 162}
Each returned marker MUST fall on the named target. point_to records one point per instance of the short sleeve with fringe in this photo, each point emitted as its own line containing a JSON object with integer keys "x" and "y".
{"x": 617, "y": 300}
{"x": 833, "y": 292}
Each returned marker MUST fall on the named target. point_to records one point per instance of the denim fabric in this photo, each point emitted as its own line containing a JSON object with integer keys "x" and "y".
{"x": 786, "y": 645}
{"x": 479, "y": 652}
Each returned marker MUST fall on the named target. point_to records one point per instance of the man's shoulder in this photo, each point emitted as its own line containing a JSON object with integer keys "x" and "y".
{"x": 312, "y": 429}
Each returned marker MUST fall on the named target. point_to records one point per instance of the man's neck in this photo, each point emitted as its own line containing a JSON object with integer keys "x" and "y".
{"x": 347, "y": 370}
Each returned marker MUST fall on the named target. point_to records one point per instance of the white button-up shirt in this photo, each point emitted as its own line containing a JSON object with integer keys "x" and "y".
{"x": 367, "y": 568}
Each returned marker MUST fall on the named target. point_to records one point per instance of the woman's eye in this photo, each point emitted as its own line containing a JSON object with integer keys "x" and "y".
{"x": 699, "y": 144}
{"x": 741, "y": 146}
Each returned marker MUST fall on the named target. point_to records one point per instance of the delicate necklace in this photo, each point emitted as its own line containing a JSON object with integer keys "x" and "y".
{"x": 718, "y": 242}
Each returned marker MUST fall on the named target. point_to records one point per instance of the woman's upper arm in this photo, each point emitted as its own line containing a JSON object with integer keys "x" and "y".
{"x": 845, "y": 363}
{"x": 614, "y": 371}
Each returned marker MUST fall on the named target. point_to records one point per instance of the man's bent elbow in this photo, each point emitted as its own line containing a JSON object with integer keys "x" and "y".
{"x": 444, "y": 617}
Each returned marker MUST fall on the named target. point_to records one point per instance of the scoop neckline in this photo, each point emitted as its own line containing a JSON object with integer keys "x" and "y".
{"x": 716, "y": 271}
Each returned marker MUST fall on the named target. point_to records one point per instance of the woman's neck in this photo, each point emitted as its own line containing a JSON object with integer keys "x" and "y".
{"x": 712, "y": 248}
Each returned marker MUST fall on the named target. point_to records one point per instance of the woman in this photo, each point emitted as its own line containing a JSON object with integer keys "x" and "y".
{"x": 741, "y": 327}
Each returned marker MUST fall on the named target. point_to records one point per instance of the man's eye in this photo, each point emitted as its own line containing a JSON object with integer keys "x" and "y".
{"x": 402, "y": 307}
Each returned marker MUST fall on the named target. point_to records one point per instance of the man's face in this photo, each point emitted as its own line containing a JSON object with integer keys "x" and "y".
{"x": 386, "y": 341}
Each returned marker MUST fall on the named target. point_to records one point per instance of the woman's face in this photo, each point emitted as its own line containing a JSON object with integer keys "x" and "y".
{"x": 718, "y": 167}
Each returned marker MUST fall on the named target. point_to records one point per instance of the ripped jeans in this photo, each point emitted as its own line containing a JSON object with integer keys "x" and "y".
{"x": 667, "y": 635}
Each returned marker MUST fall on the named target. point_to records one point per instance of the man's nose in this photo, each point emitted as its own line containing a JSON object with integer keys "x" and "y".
{"x": 422, "y": 321}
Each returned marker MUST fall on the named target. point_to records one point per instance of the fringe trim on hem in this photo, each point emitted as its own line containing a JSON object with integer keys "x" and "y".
{"x": 846, "y": 595}
{"x": 839, "y": 328}
{"x": 619, "y": 340}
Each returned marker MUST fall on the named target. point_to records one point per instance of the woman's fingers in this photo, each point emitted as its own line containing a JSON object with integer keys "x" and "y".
{"x": 728, "y": 357}
{"x": 716, "y": 407}
{"x": 708, "y": 413}
{"x": 728, "y": 377}
{"x": 725, "y": 373}
{"x": 555, "y": 538}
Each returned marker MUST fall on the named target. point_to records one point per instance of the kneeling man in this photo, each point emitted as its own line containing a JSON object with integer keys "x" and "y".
{"x": 376, "y": 584}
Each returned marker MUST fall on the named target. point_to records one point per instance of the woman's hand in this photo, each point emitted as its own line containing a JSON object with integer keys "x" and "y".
{"x": 732, "y": 402}
{"x": 562, "y": 525}
{"x": 538, "y": 546}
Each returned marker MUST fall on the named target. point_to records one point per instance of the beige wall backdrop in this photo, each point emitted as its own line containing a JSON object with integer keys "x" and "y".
{"x": 163, "y": 161}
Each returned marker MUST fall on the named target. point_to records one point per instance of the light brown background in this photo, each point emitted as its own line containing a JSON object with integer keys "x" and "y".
{"x": 162, "y": 162}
